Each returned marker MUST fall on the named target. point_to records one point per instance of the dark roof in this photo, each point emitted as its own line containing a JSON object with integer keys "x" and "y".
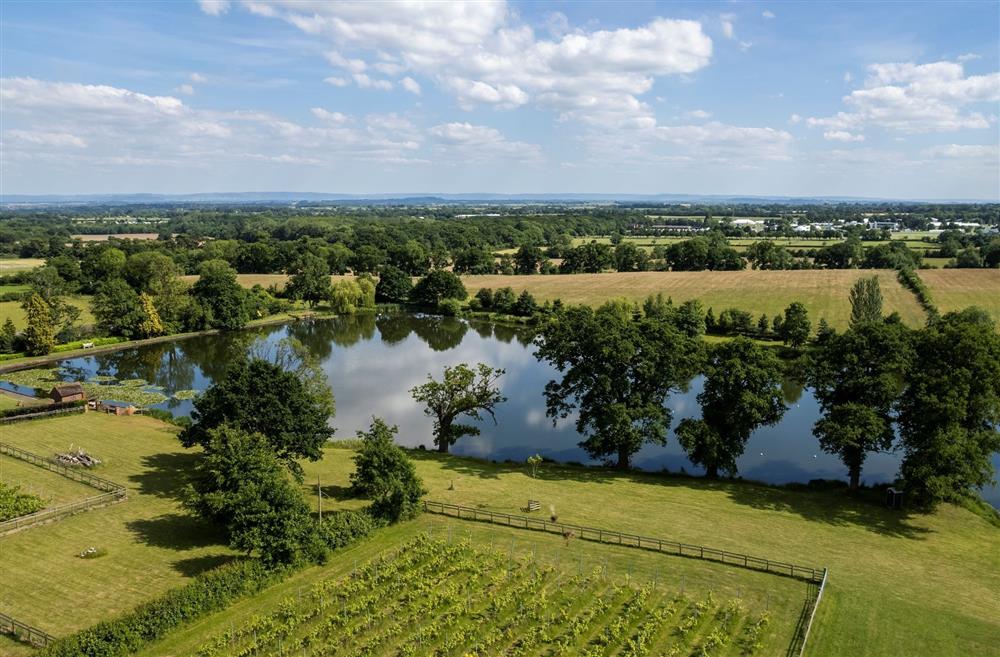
{"x": 66, "y": 389}
{"x": 114, "y": 403}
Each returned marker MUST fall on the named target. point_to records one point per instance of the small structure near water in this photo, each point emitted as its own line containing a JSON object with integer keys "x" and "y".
{"x": 68, "y": 392}
{"x": 114, "y": 407}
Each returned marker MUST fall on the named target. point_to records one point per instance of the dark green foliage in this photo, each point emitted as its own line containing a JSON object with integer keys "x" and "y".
{"x": 411, "y": 257}
{"x": 437, "y": 285}
{"x": 766, "y": 254}
{"x": 8, "y": 336}
{"x": 866, "y": 301}
{"x": 525, "y": 306}
{"x": 950, "y": 409}
{"x": 843, "y": 255}
{"x": 475, "y": 260}
{"x": 700, "y": 253}
{"x": 795, "y": 327}
{"x": 857, "y": 377}
{"x": 116, "y": 308}
{"x": 150, "y": 621}
{"x": 617, "y": 371}
{"x": 589, "y": 258}
{"x": 384, "y": 473}
{"x": 39, "y": 337}
{"x": 527, "y": 259}
{"x": 461, "y": 391}
{"x": 742, "y": 392}
{"x": 310, "y": 280}
{"x": 341, "y": 528}
{"x": 909, "y": 279}
{"x": 629, "y": 257}
{"x": 241, "y": 485}
{"x": 14, "y": 503}
{"x": 260, "y": 397}
{"x": 485, "y": 298}
{"x": 893, "y": 255}
{"x": 394, "y": 285}
{"x": 221, "y": 296}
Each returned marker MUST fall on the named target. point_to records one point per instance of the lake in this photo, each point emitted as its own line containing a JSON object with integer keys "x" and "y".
{"x": 373, "y": 361}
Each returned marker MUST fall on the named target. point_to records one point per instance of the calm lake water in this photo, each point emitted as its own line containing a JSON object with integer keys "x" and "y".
{"x": 372, "y": 362}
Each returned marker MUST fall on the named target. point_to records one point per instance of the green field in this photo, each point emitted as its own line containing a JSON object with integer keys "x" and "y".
{"x": 13, "y": 310}
{"x": 451, "y": 597}
{"x": 823, "y": 291}
{"x": 887, "y": 570}
{"x": 53, "y": 488}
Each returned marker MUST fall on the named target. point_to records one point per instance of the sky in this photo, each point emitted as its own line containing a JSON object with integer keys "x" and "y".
{"x": 870, "y": 99}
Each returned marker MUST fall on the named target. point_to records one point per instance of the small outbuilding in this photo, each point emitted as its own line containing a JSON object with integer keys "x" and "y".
{"x": 116, "y": 407}
{"x": 67, "y": 392}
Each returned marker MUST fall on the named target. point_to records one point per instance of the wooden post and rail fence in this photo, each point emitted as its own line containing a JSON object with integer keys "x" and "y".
{"x": 815, "y": 576}
{"x": 112, "y": 492}
{"x": 23, "y": 632}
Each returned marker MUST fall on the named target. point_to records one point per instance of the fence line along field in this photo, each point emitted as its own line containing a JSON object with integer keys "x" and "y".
{"x": 440, "y": 596}
{"x": 825, "y": 292}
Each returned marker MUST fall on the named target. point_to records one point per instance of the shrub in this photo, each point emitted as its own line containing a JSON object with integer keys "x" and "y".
{"x": 14, "y": 503}
{"x": 450, "y": 307}
{"x": 342, "y": 528}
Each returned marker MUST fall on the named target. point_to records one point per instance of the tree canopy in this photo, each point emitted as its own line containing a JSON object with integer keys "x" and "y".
{"x": 461, "y": 391}
{"x": 742, "y": 392}
{"x": 384, "y": 473}
{"x": 618, "y": 372}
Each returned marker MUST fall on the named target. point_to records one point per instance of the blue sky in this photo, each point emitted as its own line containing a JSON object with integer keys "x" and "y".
{"x": 886, "y": 99}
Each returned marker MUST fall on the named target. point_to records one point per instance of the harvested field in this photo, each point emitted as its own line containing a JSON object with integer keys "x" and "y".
{"x": 104, "y": 237}
{"x": 954, "y": 289}
{"x": 824, "y": 292}
{"x": 11, "y": 265}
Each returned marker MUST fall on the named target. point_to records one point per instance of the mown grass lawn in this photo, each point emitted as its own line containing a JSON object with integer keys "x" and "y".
{"x": 152, "y": 544}
{"x": 13, "y": 310}
{"x": 52, "y": 488}
{"x": 900, "y": 584}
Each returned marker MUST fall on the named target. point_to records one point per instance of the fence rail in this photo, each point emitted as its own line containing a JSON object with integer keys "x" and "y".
{"x": 24, "y": 632}
{"x": 812, "y": 614}
{"x": 40, "y": 414}
{"x": 606, "y": 536}
{"x": 113, "y": 492}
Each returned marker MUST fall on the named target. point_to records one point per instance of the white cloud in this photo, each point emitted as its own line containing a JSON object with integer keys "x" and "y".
{"x": 410, "y": 85}
{"x": 842, "y": 135}
{"x": 699, "y": 114}
{"x": 767, "y": 13}
{"x": 214, "y": 7}
{"x": 728, "y": 30}
{"x": 795, "y": 118}
{"x": 365, "y": 82}
{"x": 966, "y": 151}
{"x": 968, "y": 57}
{"x": 185, "y": 89}
{"x": 848, "y": 77}
{"x": 107, "y": 126}
{"x": 477, "y": 142}
{"x": 198, "y": 78}
{"x": 337, "y": 82}
{"x": 483, "y": 53}
{"x": 916, "y": 98}
{"x": 45, "y": 138}
{"x": 332, "y": 117}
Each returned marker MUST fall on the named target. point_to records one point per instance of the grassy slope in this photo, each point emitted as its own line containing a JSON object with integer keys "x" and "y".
{"x": 954, "y": 289}
{"x": 152, "y": 544}
{"x": 900, "y": 585}
{"x": 889, "y": 573}
{"x": 824, "y": 292}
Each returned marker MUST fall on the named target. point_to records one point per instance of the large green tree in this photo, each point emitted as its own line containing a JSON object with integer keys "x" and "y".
{"x": 117, "y": 309}
{"x": 219, "y": 293}
{"x": 438, "y": 285}
{"x": 796, "y": 327}
{"x": 461, "y": 391}
{"x": 240, "y": 485}
{"x": 866, "y": 301}
{"x": 857, "y": 377}
{"x": 950, "y": 409}
{"x": 617, "y": 371}
{"x": 742, "y": 393}
{"x": 258, "y": 396}
{"x": 394, "y": 285}
{"x": 310, "y": 280}
{"x": 384, "y": 473}
{"x": 39, "y": 337}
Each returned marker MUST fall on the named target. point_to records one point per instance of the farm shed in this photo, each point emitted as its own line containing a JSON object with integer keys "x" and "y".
{"x": 116, "y": 407}
{"x": 67, "y": 392}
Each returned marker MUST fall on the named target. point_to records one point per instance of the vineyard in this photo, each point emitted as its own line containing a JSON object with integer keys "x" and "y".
{"x": 435, "y": 597}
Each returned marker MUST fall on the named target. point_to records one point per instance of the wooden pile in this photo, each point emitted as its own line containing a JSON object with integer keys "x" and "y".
{"x": 77, "y": 457}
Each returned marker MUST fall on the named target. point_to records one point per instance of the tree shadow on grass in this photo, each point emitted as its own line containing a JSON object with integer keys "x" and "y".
{"x": 198, "y": 565}
{"x": 835, "y": 507}
{"x": 165, "y": 474}
{"x": 334, "y": 492}
{"x": 176, "y": 531}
